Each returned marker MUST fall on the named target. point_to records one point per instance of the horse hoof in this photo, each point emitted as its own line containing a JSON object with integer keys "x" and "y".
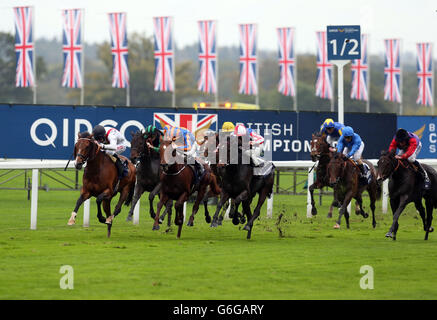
{"x": 329, "y": 216}
{"x": 109, "y": 220}
{"x": 389, "y": 235}
{"x": 214, "y": 225}
{"x": 71, "y": 222}
{"x": 431, "y": 229}
{"x": 129, "y": 218}
{"x": 160, "y": 221}
{"x": 220, "y": 223}
{"x": 190, "y": 224}
{"x": 235, "y": 221}
{"x": 365, "y": 215}
{"x": 246, "y": 227}
{"x": 337, "y": 226}
{"x": 314, "y": 211}
{"x": 155, "y": 227}
{"x": 208, "y": 219}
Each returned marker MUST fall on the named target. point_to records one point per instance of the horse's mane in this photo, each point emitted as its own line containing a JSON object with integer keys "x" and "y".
{"x": 85, "y": 134}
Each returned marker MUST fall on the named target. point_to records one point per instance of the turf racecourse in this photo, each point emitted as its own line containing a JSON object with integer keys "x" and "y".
{"x": 303, "y": 259}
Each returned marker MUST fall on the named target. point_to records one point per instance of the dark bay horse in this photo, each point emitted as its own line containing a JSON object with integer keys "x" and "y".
{"x": 178, "y": 183}
{"x": 147, "y": 163}
{"x": 344, "y": 176}
{"x": 405, "y": 186}
{"x": 100, "y": 179}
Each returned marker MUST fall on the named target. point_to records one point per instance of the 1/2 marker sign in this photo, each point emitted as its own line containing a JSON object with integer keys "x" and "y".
{"x": 344, "y": 42}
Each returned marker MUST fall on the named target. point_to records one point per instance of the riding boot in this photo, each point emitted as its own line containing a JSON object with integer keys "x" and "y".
{"x": 120, "y": 167}
{"x": 424, "y": 174}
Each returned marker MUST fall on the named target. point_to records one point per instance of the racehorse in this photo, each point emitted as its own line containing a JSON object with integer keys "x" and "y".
{"x": 344, "y": 176}
{"x": 178, "y": 183}
{"x": 100, "y": 179}
{"x": 148, "y": 174}
{"x": 404, "y": 187}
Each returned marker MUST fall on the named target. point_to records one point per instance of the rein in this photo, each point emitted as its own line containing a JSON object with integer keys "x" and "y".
{"x": 175, "y": 174}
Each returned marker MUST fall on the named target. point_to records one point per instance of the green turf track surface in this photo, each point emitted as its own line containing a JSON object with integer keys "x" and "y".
{"x": 308, "y": 259}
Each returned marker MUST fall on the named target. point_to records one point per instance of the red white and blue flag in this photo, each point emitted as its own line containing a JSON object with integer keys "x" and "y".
{"x": 324, "y": 88}
{"x": 392, "y": 70}
{"x": 119, "y": 49}
{"x": 425, "y": 73}
{"x": 164, "y": 62}
{"x": 190, "y": 121}
{"x": 360, "y": 70}
{"x": 24, "y": 48}
{"x": 72, "y": 47}
{"x": 287, "y": 61}
{"x": 248, "y": 59}
{"x": 207, "y": 57}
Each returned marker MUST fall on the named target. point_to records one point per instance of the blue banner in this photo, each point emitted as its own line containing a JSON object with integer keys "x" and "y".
{"x": 426, "y": 129}
{"x": 49, "y": 132}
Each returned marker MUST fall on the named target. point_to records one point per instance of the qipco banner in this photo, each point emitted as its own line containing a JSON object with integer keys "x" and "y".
{"x": 425, "y": 127}
{"x": 50, "y": 132}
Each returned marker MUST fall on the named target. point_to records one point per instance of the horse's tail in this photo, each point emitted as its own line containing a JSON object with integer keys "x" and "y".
{"x": 130, "y": 195}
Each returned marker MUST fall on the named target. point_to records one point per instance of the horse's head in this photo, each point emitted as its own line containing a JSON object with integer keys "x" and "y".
{"x": 335, "y": 169}
{"x": 169, "y": 155}
{"x": 138, "y": 145}
{"x": 319, "y": 146}
{"x": 85, "y": 149}
{"x": 386, "y": 164}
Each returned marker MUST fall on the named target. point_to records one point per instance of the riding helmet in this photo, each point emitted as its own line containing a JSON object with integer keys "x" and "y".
{"x": 228, "y": 127}
{"x": 401, "y": 135}
{"x": 99, "y": 132}
{"x": 348, "y": 132}
{"x": 240, "y": 130}
{"x": 329, "y": 123}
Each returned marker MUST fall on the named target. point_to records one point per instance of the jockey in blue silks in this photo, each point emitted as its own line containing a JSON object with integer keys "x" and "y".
{"x": 332, "y": 130}
{"x": 351, "y": 145}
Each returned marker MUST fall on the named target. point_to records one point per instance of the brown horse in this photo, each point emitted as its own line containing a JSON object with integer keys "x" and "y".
{"x": 178, "y": 183}
{"x": 344, "y": 176}
{"x": 100, "y": 179}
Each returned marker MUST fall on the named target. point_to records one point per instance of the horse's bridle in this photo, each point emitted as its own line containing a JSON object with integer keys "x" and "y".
{"x": 85, "y": 159}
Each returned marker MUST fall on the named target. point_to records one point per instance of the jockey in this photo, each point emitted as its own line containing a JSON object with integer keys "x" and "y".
{"x": 113, "y": 143}
{"x": 332, "y": 130}
{"x": 255, "y": 141}
{"x": 154, "y": 133}
{"x": 409, "y": 146}
{"x": 351, "y": 145}
{"x": 185, "y": 143}
{"x": 202, "y": 145}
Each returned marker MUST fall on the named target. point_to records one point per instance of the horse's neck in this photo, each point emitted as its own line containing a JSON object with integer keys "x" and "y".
{"x": 95, "y": 164}
{"x": 402, "y": 172}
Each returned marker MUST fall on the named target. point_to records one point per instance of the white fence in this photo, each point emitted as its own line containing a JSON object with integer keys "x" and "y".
{"x": 35, "y": 165}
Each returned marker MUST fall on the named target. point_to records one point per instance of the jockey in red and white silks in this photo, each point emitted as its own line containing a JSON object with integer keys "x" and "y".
{"x": 256, "y": 142}
{"x": 112, "y": 141}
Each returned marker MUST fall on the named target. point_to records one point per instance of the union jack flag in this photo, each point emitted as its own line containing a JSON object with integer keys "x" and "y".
{"x": 392, "y": 70}
{"x": 248, "y": 74}
{"x": 324, "y": 88}
{"x": 164, "y": 63}
{"x": 193, "y": 122}
{"x": 119, "y": 50}
{"x": 72, "y": 48}
{"x": 425, "y": 73}
{"x": 24, "y": 47}
{"x": 287, "y": 61}
{"x": 360, "y": 69}
{"x": 207, "y": 57}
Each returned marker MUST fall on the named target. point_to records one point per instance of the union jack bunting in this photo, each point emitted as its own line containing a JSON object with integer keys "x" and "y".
{"x": 287, "y": 61}
{"x": 324, "y": 88}
{"x": 72, "y": 48}
{"x": 207, "y": 57}
{"x": 190, "y": 121}
{"x": 164, "y": 63}
{"x": 24, "y": 47}
{"x": 392, "y": 70}
{"x": 425, "y": 73}
{"x": 248, "y": 74}
{"x": 360, "y": 69}
{"x": 119, "y": 49}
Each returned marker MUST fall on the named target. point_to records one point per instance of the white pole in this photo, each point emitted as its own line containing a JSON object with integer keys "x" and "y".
{"x": 384, "y": 196}
{"x": 368, "y": 75}
{"x": 174, "y": 65}
{"x": 228, "y": 209}
{"x": 185, "y": 210}
{"x": 270, "y": 207}
{"x": 34, "y": 56}
{"x": 257, "y": 67}
{"x": 137, "y": 213}
{"x": 86, "y": 213}
{"x": 295, "y": 71}
{"x": 310, "y": 182}
{"x": 34, "y": 202}
{"x": 340, "y": 64}
{"x": 82, "y": 90}
{"x": 216, "y": 68}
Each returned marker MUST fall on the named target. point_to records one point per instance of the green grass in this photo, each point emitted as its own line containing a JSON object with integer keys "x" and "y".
{"x": 311, "y": 260}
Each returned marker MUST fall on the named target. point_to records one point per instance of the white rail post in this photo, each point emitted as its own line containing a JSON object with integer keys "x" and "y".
{"x": 270, "y": 206}
{"x": 34, "y": 201}
{"x": 185, "y": 210}
{"x": 137, "y": 213}
{"x": 384, "y": 196}
{"x": 228, "y": 209}
{"x": 86, "y": 213}
{"x": 310, "y": 182}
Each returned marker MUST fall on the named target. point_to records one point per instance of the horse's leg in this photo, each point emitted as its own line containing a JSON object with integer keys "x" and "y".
{"x": 152, "y": 196}
{"x": 139, "y": 190}
{"x": 261, "y": 198}
{"x": 372, "y": 195}
{"x": 168, "y": 207}
{"x": 163, "y": 199}
{"x": 419, "y": 207}
{"x": 223, "y": 198}
{"x": 395, "y": 225}
{"x": 248, "y": 213}
{"x": 359, "y": 206}
{"x": 429, "y": 208}
{"x": 179, "y": 207}
{"x": 123, "y": 196}
{"x": 200, "y": 194}
{"x": 107, "y": 209}
{"x": 334, "y": 204}
{"x": 347, "y": 199}
{"x": 99, "y": 199}
{"x": 205, "y": 205}
{"x": 313, "y": 203}
{"x": 82, "y": 198}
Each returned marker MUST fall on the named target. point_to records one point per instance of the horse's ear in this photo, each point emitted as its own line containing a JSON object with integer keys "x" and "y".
{"x": 132, "y": 133}
{"x": 393, "y": 152}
